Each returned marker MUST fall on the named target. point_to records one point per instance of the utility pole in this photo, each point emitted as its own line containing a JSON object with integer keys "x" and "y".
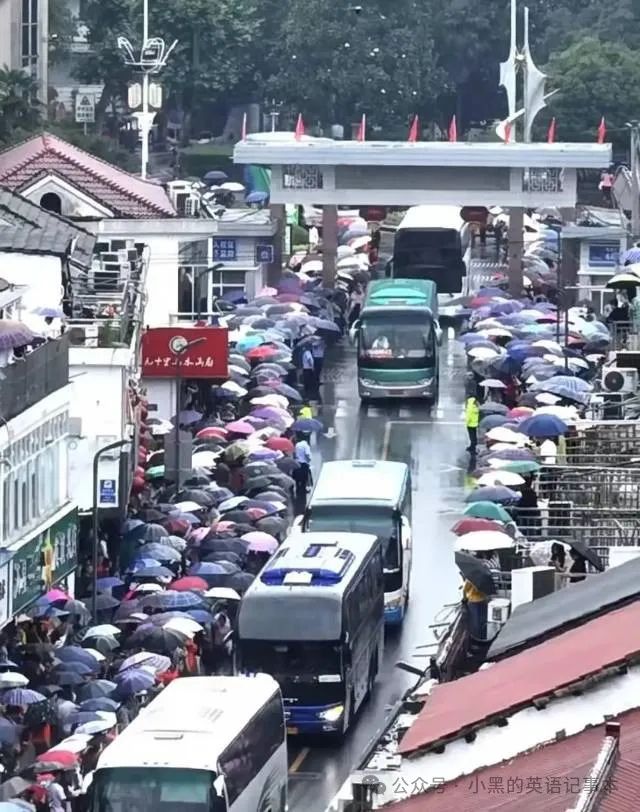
{"x": 152, "y": 57}
{"x": 634, "y": 133}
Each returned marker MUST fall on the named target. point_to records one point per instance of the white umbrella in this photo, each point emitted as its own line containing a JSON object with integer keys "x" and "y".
{"x": 548, "y": 399}
{"x": 483, "y": 353}
{"x": 279, "y": 401}
{"x": 500, "y": 434}
{"x": 188, "y": 506}
{"x": 159, "y": 426}
{"x": 12, "y": 679}
{"x": 500, "y": 332}
{"x": 204, "y": 459}
{"x": 360, "y": 242}
{"x": 147, "y": 588}
{"x": 231, "y": 186}
{"x": 75, "y": 743}
{"x": 222, "y": 593}
{"x": 102, "y": 630}
{"x": 493, "y": 383}
{"x": 483, "y": 540}
{"x": 547, "y": 344}
{"x": 345, "y": 251}
{"x": 540, "y": 551}
{"x": 566, "y": 413}
{"x": 312, "y": 266}
{"x": 98, "y": 726}
{"x": 506, "y": 478}
{"x": 96, "y": 654}
{"x": 183, "y": 625}
{"x": 232, "y": 386}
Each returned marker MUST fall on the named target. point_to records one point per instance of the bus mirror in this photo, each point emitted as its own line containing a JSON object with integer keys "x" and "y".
{"x": 353, "y": 332}
{"x": 297, "y": 522}
{"x": 438, "y": 330}
{"x": 219, "y": 803}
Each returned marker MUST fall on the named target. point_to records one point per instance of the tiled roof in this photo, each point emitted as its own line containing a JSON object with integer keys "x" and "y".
{"x": 548, "y": 779}
{"x": 457, "y": 707}
{"x": 124, "y": 194}
{"x": 28, "y": 229}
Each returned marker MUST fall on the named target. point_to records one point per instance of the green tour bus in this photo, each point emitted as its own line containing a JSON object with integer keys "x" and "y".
{"x": 398, "y": 336}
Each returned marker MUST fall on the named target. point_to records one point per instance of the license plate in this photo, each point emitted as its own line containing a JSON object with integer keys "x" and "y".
{"x": 292, "y": 731}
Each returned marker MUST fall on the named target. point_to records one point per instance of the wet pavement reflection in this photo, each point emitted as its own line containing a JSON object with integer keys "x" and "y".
{"x": 432, "y": 442}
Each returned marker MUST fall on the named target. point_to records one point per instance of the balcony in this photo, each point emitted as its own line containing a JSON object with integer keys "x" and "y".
{"x": 27, "y": 381}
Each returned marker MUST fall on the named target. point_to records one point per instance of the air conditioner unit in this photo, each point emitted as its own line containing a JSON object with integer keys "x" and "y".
{"x": 498, "y": 610}
{"x": 191, "y": 206}
{"x": 620, "y": 380}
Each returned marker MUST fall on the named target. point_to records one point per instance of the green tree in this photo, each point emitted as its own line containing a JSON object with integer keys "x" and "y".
{"x": 595, "y": 79}
{"x": 20, "y": 109}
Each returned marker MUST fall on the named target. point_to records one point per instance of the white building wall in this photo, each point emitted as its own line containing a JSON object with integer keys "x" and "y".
{"x": 42, "y": 275}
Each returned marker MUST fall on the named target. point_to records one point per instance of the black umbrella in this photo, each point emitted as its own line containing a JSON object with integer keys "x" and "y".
{"x": 159, "y": 641}
{"x": 287, "y": 465}
{"x": 241, "y": 581}
{"x": 151, "y": 514}
{"x": 127, "y": 608}
{"x": 272, "y": 525}
{"x": 69, "y": 678}
{"x": 198, "y": 479}
{"x": 260, "y": 391}
{"x": 493, "y": 408}
{"x": 261, "y": 482}
{"x": 13, "y": 788}
{"x": 232, "y": 558}
{"x": 105, "y": 645}
{"x": 198, "y": 495}
{"x": 237, "y": 516}
{"x": 587, "y": 553}
{"x": 239, "y": 361}
{"x": 105, "y": 602}
{"x": 476, "y": 572}
{"x": 237, "y": 546}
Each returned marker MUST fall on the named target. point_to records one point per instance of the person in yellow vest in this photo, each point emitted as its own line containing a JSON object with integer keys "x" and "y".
{"x": 471, "y": 421}
{"x": 476, "y": 602}
{"x": 305, "y": 412}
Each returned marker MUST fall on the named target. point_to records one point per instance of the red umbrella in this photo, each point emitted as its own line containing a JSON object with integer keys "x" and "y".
{"x": 138, "y": 484}
{"x": 177, "y": 527}
{"x": 139, "y": 471}
{"x": 262, "y": 353}
{"x": 65, "y": 757}
{"x": 280, "y": 444}
{"x": 471, "y": 525}
{"x": 212, "y": 432}
{"x": 520, "y": 411}
{"x": 189, "y": 583}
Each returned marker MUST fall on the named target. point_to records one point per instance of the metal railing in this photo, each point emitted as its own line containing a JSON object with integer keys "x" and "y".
{"x": 33, "y": 377}
{"x": 624, "y": 335}
{"x": 109, "y": 317}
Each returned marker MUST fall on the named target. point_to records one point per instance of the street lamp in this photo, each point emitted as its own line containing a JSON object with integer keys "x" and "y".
{"x": 179, "y": 346}
{"x": 95, "y": 539}
{"x": 196, "y": 283}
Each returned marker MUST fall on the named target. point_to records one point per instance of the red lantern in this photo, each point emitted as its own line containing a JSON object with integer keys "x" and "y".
{"x": 143, "y": 411}
{"x": 138, "y": 484}
{"x": 142, "y": 455}
{"x": 145, "y": 441}
{"x": 139, "y": 472}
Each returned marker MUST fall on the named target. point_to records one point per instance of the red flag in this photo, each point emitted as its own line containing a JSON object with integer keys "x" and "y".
{"x": 413, "y": 131}
{"x": 551, "y": 132}
{"x": 507, "y": 132}
{"x": 299, "y": 127}
{"x": 362, "y": 129}
{"x": 453, "y": 130}
{"x": 244, "y": 127}
{"x": 602, "y": 131}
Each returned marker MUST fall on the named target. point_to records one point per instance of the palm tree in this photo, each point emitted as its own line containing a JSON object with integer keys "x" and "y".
{"x": 20, "y": 108}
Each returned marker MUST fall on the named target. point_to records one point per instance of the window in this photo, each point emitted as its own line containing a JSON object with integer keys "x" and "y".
{"x": 51, "y": 202}
{"x": 29, "y": 34}
{"x": 6, "y": 511}
{"x": 249, "y": 752}
{"x": 225, "y": 281}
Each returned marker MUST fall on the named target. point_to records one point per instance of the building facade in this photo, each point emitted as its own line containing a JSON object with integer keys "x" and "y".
{"x": 24, "y": 40}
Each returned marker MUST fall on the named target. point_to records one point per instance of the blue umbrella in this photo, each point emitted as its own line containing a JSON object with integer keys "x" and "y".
{"x": 159, "y": 553}
{"x": 50, "y": 312}
{"x": 493, "y": 493}
{"x": 81, "y": 717}
{"x": 79, "y": 667}
{"x": 75, "y": 655}
{"x": 307, "y": 425}
{"x": 21, "y": 696}
{"x": 492, "y": 421}
{"x": 631, "y": 256}
{"x": 257, "y": 197}
{"x": 110, "y": 582}
{"x": 133, "y": 681}
{"x": 207, "y": 568}
{"x": 288, "y": 391}
{"x": 101, "y": 703}
{"x": 70, "y": 678}
{"x": 170, "y": 599}
{"x": 143, "y": 562}
{"x": 9, "y": 732}
{"x": 235, "y": 296}
{"x": 188, "y": 417}
{"x": 96, "y": 689}
{"x": 543, "y": 425}
{"x": 154, "y": 572}
{"x": 200, "y": 615}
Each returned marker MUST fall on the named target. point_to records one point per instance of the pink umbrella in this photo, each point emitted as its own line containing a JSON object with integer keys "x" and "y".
{"x": 260, "y": 542}
{"x": 256, "y": 513}
{"x": 54, "y": 595}
{"x": 240, "y": 427}
{"x": 268, "y": 291}
{"x": 225, "y": 526}
{"x": 200, "y": 533}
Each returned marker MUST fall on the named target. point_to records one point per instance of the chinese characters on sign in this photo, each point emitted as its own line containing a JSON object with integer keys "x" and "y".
{"x": 43, "y": 561}
{"x": 224, "y": 249}
{"x": 495, "y": 785}
{"x": 264, "y": 253}
{"x": 604, "y": 254}
{"x": 206, "y": 358}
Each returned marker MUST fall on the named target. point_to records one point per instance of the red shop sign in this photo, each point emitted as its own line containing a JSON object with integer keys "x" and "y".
{"x": 202, "y": 352}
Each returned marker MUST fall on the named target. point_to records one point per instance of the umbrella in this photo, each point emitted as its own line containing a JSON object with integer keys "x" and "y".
{"x": 69, "y": 678}
{"x": 484, "y": 540}
{"x": 10, "y": 733}
{"x": 623, "y": 280}
{"x": 499, "y": 476}
{"x": 146, "y": 658}
{"x": 473, "y": 525}
{"x": 493, "y": 493}
{"x": 159, "y": 552}
{"x": 476, "y": 572}
{"x": 188, "y": 417}
{"x": 490, "y": 408}
{"x": 493, "y": 383}
{"x": 260, "y": 542}
{"x": 58, "y": 755}
{"x": 13, "y": 787}
{"x": 157, "y": 640}
{"x": 215, "y": 176}
{"x": 171, "y": 599}
{"x": 111, "y": 582}
{"x": 283, "y": 444}
{"x": 307, "y": 425}
{"x": 502, "y": 434}
{"x": 487, "y": 510}
{"x": 183, "y": 625}
{"x": 14, "y": 334}
{"x": 104, "y": 629}
{"x": 543, "y": 425}
{"x": 80, "y": 717}
{"x": 492, "y": 421}
{"x": 222, "y": 593}
{"x": 102, "y": 703}
{"x": 133, "y": 681}
{"x": 587, "y": 553}
{"x": 21, "y": 696}
{"x": 96, "y": 689}
{"x": 154, "y": 572}
{"x": 98, "y": 726}
{"x": 189, "y": 583}
{"x": 521, "y": 467}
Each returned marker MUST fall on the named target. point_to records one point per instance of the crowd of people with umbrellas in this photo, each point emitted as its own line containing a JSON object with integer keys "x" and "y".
{"x": 529, "y": 381}
{"x": 74, "y": 672}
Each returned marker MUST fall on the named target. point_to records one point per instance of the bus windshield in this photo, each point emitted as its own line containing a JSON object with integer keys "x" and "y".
{"x": 376, "y": 520}
{"x": 427, "y": 247}
{"x": 398, "y": 341}
{"x": 153, "y": 789}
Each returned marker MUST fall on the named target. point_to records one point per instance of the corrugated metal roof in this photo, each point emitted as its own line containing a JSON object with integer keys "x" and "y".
{"x": 548, "y": 779}
{"x": 124, "y": 194}
{"x": 462, "y": 705}
{"x": 550, "y": 615}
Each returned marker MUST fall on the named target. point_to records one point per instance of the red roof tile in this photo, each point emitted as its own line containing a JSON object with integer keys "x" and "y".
{"x": 548, "y": 779}
{"x": 125, "y": 194}
{"x": 461, "y": 705}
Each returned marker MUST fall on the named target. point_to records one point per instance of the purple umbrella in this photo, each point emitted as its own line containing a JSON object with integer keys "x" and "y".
{"x": 260, "y": 542}
{"x": 268, "y": 413}
{"x": 265, "y": 454}
{"x": 241, "y": 427}
{"x": 188, "y": 417}
{"x": 14, "y": 334}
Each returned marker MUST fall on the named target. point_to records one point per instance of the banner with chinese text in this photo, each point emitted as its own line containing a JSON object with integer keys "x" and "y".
{"x": 201, "y": 352}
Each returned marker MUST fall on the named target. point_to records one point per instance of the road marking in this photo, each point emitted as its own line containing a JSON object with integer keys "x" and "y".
{"x": 439, "y": 413}
{"x": 386, "y": 440}
{"x": 341, "y": 408}
{"x": 404, "y": 412}
{"x": 297, "y": 761}
{"x": 374, "y": 411}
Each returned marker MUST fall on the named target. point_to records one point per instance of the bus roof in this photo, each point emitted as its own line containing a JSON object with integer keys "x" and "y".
{"x": 400, "y": 293}
{"x": 190, "y": 723}
{"x": 432, "y": 217}
{"x": 298, "y": 594}
{"x": 348, "y": 481}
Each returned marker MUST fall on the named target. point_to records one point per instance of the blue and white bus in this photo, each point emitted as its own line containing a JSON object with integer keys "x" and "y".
{"x": 314, "y": 620}
{"x": 369, "y": 496}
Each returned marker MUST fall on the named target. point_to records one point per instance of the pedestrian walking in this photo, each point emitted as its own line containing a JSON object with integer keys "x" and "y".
{"x": 356, "y": 300}
{"x": 302, "y": 474}
{"x": 308, "y": 374}
{"x": 318, "y": 349}
{"x": 472, "y": 421}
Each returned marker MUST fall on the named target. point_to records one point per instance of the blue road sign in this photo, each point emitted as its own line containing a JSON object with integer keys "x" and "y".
{"x": 224, "y": 249}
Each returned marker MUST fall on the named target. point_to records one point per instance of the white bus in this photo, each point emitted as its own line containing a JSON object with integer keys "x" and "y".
{"x": 434, "y": 242}
{"x": 205, "y": 744}
{"x": 369, "y": 496}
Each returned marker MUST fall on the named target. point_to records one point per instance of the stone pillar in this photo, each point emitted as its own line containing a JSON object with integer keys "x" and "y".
{"x": 279, "y": 216}
{"x": 329, "y": 244}
{"x": 516, "y": 246}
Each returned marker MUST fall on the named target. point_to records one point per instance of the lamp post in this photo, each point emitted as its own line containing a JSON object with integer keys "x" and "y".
{"x": 196, "y": 283}
{"x": 95, "y": 539}
{"x": 179, "y": 347}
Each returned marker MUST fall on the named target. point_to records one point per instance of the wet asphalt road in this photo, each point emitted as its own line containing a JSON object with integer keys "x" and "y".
{"x": 433, "y": 442}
